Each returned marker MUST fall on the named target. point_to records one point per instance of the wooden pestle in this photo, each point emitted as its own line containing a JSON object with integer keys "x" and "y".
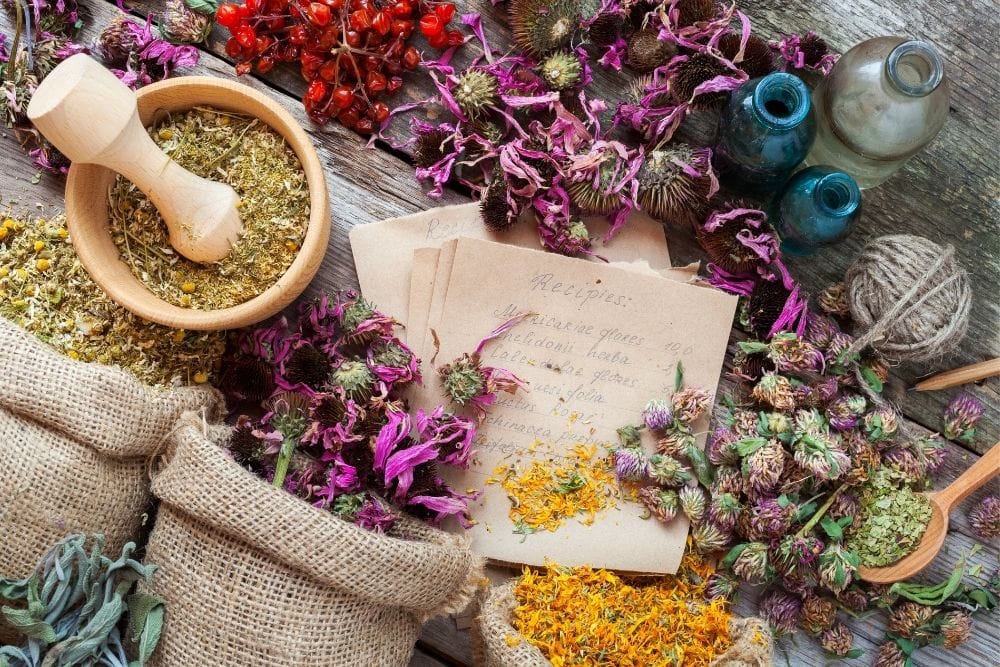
{"x": 92, "y": 117}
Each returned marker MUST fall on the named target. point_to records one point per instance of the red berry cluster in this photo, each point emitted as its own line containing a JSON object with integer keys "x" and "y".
{"x": 351, "y": 52}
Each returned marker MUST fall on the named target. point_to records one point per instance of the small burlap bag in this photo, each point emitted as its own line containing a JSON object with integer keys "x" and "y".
{"x": 255, "y": 576}
{"x": 497, "y": 644}
{"x": 75, "y": 440}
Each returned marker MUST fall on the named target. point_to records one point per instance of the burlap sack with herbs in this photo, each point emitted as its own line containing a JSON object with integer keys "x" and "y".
{"x": 496, "y": 643}
{"x": 75, "y": 440}
{"x": 255, "y": 576}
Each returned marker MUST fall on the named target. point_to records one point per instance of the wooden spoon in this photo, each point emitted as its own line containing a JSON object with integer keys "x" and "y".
{"x": 942, "y": 503}
{"x": 92, "y": 117}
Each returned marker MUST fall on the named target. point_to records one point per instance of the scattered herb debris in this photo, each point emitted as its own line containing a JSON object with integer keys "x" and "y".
{"x": 45, "y": 290}
{"x": 545, "y": 493}
{"x": 582, "y": 616}
{"x": 895, "y": 518}
{"x": 274, "y": 208}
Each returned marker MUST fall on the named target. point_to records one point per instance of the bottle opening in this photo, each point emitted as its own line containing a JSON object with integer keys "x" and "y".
{"x": 915, "y": 68}
{"x": 838, "y": 194}
{"x": 781, "y": 100}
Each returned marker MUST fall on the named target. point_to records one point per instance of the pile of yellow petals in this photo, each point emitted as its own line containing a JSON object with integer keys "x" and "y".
{"x": 582, "y": 616}
{"x": 545, "y": 493}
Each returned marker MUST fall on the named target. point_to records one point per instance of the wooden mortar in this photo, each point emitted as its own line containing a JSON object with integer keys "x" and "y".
{"x": 87, "y": 187}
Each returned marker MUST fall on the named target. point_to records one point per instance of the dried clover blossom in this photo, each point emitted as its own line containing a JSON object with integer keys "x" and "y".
{"x": 961, "y": 417}
{"x": 984, "y": 518}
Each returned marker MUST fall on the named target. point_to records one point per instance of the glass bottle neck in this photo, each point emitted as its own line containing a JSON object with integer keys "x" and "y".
{"x": 914, "y": 68}
{"x": 837, "y": 195}
{"x": 781, "y": 101}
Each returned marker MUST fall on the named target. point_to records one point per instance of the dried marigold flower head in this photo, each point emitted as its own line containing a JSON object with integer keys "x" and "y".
{"x": 985, "y": 518}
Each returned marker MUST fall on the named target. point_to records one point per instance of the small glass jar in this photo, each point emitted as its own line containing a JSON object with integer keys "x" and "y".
{"x": 765, "y": 132}
{"x": 883, "y": 102}
{"x": 817, "y": 207}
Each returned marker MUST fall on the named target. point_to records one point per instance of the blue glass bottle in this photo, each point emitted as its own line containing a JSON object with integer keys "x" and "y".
{"x": 765, "y": 132}
{"x": 817, "y": 207}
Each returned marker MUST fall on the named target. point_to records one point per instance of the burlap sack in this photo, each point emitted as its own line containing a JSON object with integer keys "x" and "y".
{"x": 497, "y": 644}
{"x": 74, "y": 443}
{"x": 254, "y": 576}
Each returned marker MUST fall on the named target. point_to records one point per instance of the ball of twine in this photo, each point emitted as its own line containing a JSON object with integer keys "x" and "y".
{"x": 909, "y": 298}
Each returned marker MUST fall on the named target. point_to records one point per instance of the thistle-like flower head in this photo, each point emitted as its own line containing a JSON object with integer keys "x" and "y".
{"x": 818, "y": 614}
{"x": 693, "y": 502}
{"x": 774, "y": 390}
{"x": 961, "y": 416}
{"x": 355, "y": 378}
{"x": 690, "y": 404}
{"x": 750, "y": 562}
{"x": 837, "y": 640}
{"x": 906, "y": 618}
{"x": 561, "y": 70}
{"x": 630, "y": 464}
{"x": 709, "y": 538}
{"x": 668, "y": 471}
{"x": 658, "y": 415}
{"x": 780, "y": 610}
{"x": 984, "y": 518}
{"x": 475, "y": 91}
{"x": 955, "y": 628}
{"x": 724, "y": 509}
{"x": 837, "y": 567}
{"x": 662, "y": 504}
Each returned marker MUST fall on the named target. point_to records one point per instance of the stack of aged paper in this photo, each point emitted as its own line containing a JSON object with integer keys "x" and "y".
{"x": 604, "y": 339}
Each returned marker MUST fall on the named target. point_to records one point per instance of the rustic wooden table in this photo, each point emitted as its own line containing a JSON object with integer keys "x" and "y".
{"x": 948, "y": 194}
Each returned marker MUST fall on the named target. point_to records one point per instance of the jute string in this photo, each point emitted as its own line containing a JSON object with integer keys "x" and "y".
{"x": 928, "y": 318}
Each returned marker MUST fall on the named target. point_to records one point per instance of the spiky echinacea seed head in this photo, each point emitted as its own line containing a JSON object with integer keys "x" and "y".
{"x": 758, "y": 58}
{"x": 475, "y": 91}
{"x": 309, "y": 366}
{"x": 251, "y": 378}
{"x": 696, "y": 70}
{"x": 606, "y": 29}
{"x": 494, "y": 208}
{"x": 667, "y": 192}
{"x": 246, "y": 448}
{"x": 595, "y": 197}
{"x": 391, "y": 355}
{"x": 646, "y": 51}
{"x": 429, "y": 148}
{"x": 766, "y": 303}
{"x": 462, "y": 380}
{"x": 355, "y": 313}
{"x": 813, "y": 49}
{"x": 355, "y": 378}
{"x": 724, "y": 249}
{"x": 691, "y": 12}
{"x": 543, "y": 26}
{"x": 561, "y": 70}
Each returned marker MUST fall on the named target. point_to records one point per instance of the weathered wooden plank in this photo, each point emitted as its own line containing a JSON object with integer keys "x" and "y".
{"x": 441, "y": 637}
{"x": 422, "y": 659}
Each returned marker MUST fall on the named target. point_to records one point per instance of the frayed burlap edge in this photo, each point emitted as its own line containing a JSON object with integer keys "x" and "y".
{"x": 495, "y": 642}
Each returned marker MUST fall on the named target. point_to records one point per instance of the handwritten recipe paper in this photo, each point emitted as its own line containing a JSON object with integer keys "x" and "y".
{"x": 383, "y": 251}
{"x": 603, "y": 341}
